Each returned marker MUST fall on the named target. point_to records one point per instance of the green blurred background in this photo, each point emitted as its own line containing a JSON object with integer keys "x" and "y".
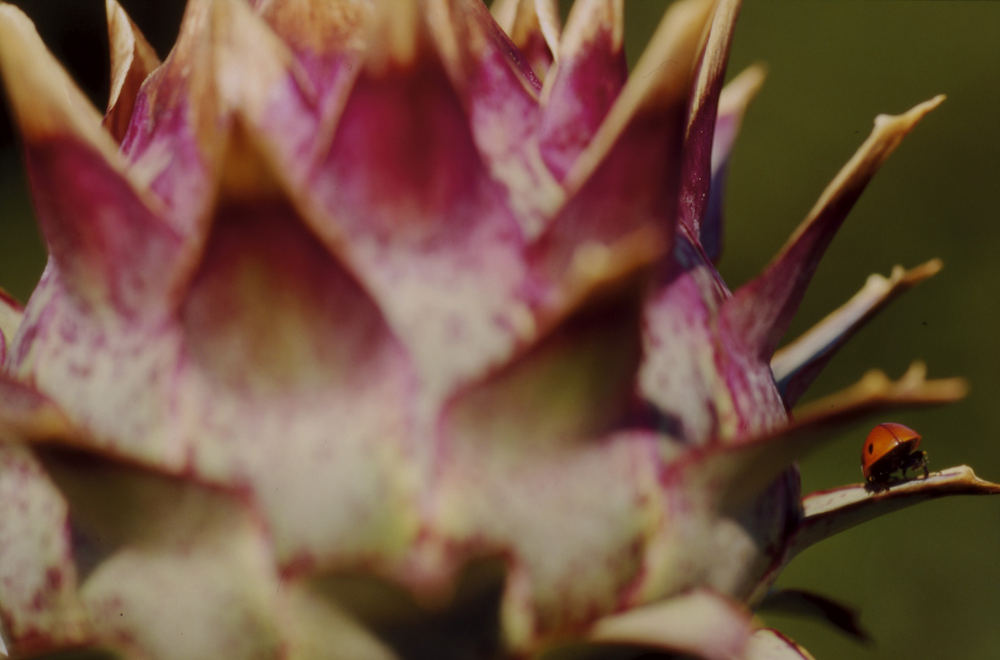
{"x": 927, "y": 579}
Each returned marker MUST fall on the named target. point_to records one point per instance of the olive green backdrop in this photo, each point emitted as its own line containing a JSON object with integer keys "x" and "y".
{"x": 927, "y": 580}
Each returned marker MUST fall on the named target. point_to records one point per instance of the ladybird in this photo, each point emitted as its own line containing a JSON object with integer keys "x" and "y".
{"x": 888, "y": 449}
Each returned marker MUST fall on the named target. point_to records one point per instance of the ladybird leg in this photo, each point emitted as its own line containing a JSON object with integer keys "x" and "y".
{"x": 918, "y": 461}
{"x": 913, "y": 462}
{"x": 877, "y": 485}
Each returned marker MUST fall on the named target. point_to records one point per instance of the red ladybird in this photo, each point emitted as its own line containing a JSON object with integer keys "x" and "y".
{"x": 888, "y": 449}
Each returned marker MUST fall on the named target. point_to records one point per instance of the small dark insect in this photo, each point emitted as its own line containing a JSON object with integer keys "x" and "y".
{"x": 889, "y": 453}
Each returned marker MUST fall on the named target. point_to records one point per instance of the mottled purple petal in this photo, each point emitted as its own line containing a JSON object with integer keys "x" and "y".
{"x": 500, "y": 94}
{"x": 734, "y": 337}
{"x": 626, "y": 179}
{"x": 362, "y": 302}
{"x": 103, "y": 235}
{"x": 699, "y": 132}
{"x": 590, "y": 74}
{"x": 273, "y": 338}
{"x": 679, "y": 374}
{"x": 653, "y": 94}
{"x": 798, "y": 363}
{"x": 759, "y": 312}
{"x": 278, "y": 340}
{"x": 328, "y": 40}
{"x": 463, "y": 28}
{"x": 108, "y": 246}
{"x": 699, "y": 623}
{"x": 110, "y": 376}
{"x": 173, "y": 136}
{"x": 705, "y": 384}
{"x": 423, "y": 224}
{"x": 529, "y": 482}
{"x": 39, "y": 604}
{"x": 227, "y": 61}
{"x": 132, "y": 60}
{"x": 259, "y": 79}
{"x": 181, "y": 570}
{"x": 597, "y": 511}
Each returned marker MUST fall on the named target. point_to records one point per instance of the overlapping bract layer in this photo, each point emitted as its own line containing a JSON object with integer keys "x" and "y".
{"x": 351, "y": 288}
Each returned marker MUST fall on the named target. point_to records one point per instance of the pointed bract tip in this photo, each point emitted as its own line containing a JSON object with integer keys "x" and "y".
{"x": 588, "y": 18}
{"x": 660, "y": 80}
{"x": 394, "y": 35}
{"x": 132, "y": 60}
{"x": 763, "y": 308}
{"x": 520, "y": 18}
{"x": 918, "y": 273}
{"x": 245, "y": 171}
{"x": 887, "y": 134}
{"x": 875, "y": 382}
{"x": 505, "y": 13}
{"x": 914, "y": 114}
{"x": 44, "y": 99}
{"x": 664, "y": 68}
{"x": 711, "y": 63}
{"x": 799, "y": 362}
{"x": 902, "y": 123}
{"x": 881, "y": 288}
{"x": 743, "y": 87}
{"x": 915, "y": 380}
{"x": 251, "y": 61}
{"x": 875, "y": 389}
{"x": 903, "y": 278}
{"x": 548, "y": 19}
